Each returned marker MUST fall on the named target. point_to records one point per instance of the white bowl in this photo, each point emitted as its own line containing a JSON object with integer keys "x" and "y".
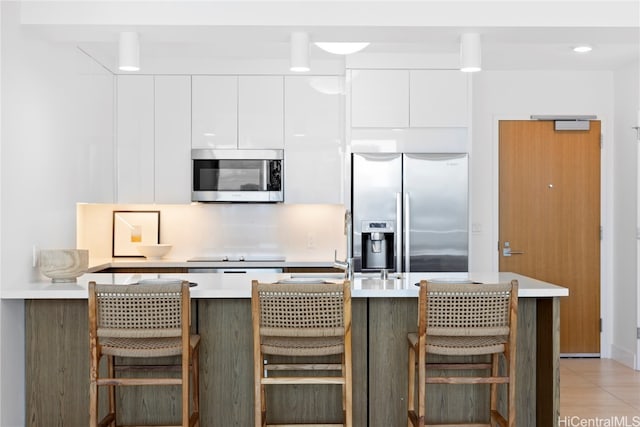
{"x": 154, "y": 251}
{"x": 63, "y": 265}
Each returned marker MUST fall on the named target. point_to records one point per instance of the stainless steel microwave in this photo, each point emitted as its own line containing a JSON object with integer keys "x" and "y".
{"x": 237, "y": 175}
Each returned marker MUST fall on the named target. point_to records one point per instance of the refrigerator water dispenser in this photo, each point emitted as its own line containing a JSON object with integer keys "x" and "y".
{"x": 378, "y": 239}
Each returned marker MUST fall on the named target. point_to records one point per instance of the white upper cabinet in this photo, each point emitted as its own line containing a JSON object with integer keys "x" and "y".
{"x": 135, "y": 139}
{"x": 380, "y": 98}
{"x": 260, "y": 112}
{"x": 439, "y": 98}
{"x": 237, "y": 112}
{"x": 215, "y": 112}
{"x": 172, "y": 139}
{"x": 409, "y": 98}
{"x": 153, "y": 139}
{"x": 314, "y": 146}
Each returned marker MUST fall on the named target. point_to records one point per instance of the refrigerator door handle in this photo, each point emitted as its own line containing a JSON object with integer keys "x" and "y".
{"x": 399, "y": 231}
{"x": 407, "y": 238}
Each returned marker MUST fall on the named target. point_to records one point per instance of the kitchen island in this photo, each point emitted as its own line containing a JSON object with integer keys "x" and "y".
{"x": 384, "y": 311}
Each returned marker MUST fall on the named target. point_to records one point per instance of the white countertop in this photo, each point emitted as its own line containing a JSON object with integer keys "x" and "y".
{"x": 134, "y": 262}
{"x": 238, "y": 285}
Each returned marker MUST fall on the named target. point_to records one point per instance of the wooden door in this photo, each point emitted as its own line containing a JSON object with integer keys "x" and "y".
{"x": 549, "y": 190}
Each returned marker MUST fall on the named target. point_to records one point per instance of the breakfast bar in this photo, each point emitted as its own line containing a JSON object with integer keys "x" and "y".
{"x": 383, "y": 311}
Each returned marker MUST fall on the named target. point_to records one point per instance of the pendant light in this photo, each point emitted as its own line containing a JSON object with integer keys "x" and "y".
{"x": 129, "y": 51}
{"x": 299, "y": 52}
{"x": 470, "y": 53}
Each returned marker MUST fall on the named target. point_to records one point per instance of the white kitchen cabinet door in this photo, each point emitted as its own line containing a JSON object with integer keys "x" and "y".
{"x": 314, "y": 143}
{"x": 439, "y": 98}
{"x": 380, "y": 98}
{"x": 135, "y": 139}
{"x": 260, "y": 112}
{"x": 172, "y": 139}
{"x": 215, "y": 112}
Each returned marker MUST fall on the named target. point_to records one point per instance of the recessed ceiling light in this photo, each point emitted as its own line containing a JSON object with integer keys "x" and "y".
{"x": 340, "y": 48}
{"x": 582, "y": 49}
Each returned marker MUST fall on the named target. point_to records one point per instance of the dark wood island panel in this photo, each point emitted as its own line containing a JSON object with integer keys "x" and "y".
{"x": 227, "y": 371}
{"x": 57, "y": 363}
{"x": 390, "y": 319}
{"x": 57, "y": 372}
{"x": 57, "y": 367}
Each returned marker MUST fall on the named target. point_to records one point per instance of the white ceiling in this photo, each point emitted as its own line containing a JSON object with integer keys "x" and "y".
{"x": 519, "y": 34}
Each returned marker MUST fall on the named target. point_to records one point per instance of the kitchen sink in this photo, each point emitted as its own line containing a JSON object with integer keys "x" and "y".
{"x": 378, "y": 283}
{"x": 368, "y": 276}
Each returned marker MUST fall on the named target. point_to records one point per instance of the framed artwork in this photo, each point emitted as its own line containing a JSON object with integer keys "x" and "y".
{"x": 132, "y": 228}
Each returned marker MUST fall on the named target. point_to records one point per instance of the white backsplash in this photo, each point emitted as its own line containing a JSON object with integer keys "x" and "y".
{"x": 295, "y": 232}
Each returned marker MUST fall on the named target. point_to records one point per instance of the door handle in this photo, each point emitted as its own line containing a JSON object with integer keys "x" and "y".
{"x": 507, "y": 251}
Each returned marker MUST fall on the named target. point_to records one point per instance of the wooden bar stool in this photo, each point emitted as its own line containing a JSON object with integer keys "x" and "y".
{"x": 307, "y": 321}
{"x": 142, "y": 321}
{"x": 465, "y": 320}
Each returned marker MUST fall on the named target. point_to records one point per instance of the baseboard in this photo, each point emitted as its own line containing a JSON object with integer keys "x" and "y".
{"x": 623, "y": 356}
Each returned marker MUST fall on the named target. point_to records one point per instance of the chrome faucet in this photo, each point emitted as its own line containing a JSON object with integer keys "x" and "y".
{"x": 347, "y": 264}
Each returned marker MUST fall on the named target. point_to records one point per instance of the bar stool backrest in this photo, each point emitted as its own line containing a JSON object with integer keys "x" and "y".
{"x": 301, "y": 310}
{"x": 139, "y": 311}
{"x": 466, "y": 309}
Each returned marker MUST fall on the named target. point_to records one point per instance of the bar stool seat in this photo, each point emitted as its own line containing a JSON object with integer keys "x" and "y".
{"x": 462, "y": 346}
{"x": 151, "y": 347}
{"x": 312, "y": 346}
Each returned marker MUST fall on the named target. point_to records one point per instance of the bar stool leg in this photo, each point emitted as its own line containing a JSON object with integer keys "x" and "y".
{"x": 112, "y": 390}
{"x": 344, "y": 390}
{"x": 511, "y": 416}
{"x": 93, "y": 404}
{"x": 495, "y": 368}
{"x": 195, "y": 381}
{"x": 348, "y": 391}
{"x": 259, "y": 406}
{"x": 411, "y": 386}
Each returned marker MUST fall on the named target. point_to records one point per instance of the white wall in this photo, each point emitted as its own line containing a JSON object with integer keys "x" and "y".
{"x": 57, "y": 148}
{"x": 517, "y": 95}
{"x": 2, "y": 360}
{"x": 625, "y": 179}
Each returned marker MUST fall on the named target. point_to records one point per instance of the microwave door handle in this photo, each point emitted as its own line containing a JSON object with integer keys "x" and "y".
{"x": 399, "y": 232}
{"x": 265, "y": 174}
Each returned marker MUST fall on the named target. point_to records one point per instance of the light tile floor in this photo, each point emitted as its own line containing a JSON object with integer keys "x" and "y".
{"x": 598, "y": 392}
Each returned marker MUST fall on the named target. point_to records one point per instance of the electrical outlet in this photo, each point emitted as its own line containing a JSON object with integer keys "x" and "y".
{"x": 311, "y": 240}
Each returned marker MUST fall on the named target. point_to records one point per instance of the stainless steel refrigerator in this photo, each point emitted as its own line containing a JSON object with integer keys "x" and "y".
{"x": 413, "y": 204}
